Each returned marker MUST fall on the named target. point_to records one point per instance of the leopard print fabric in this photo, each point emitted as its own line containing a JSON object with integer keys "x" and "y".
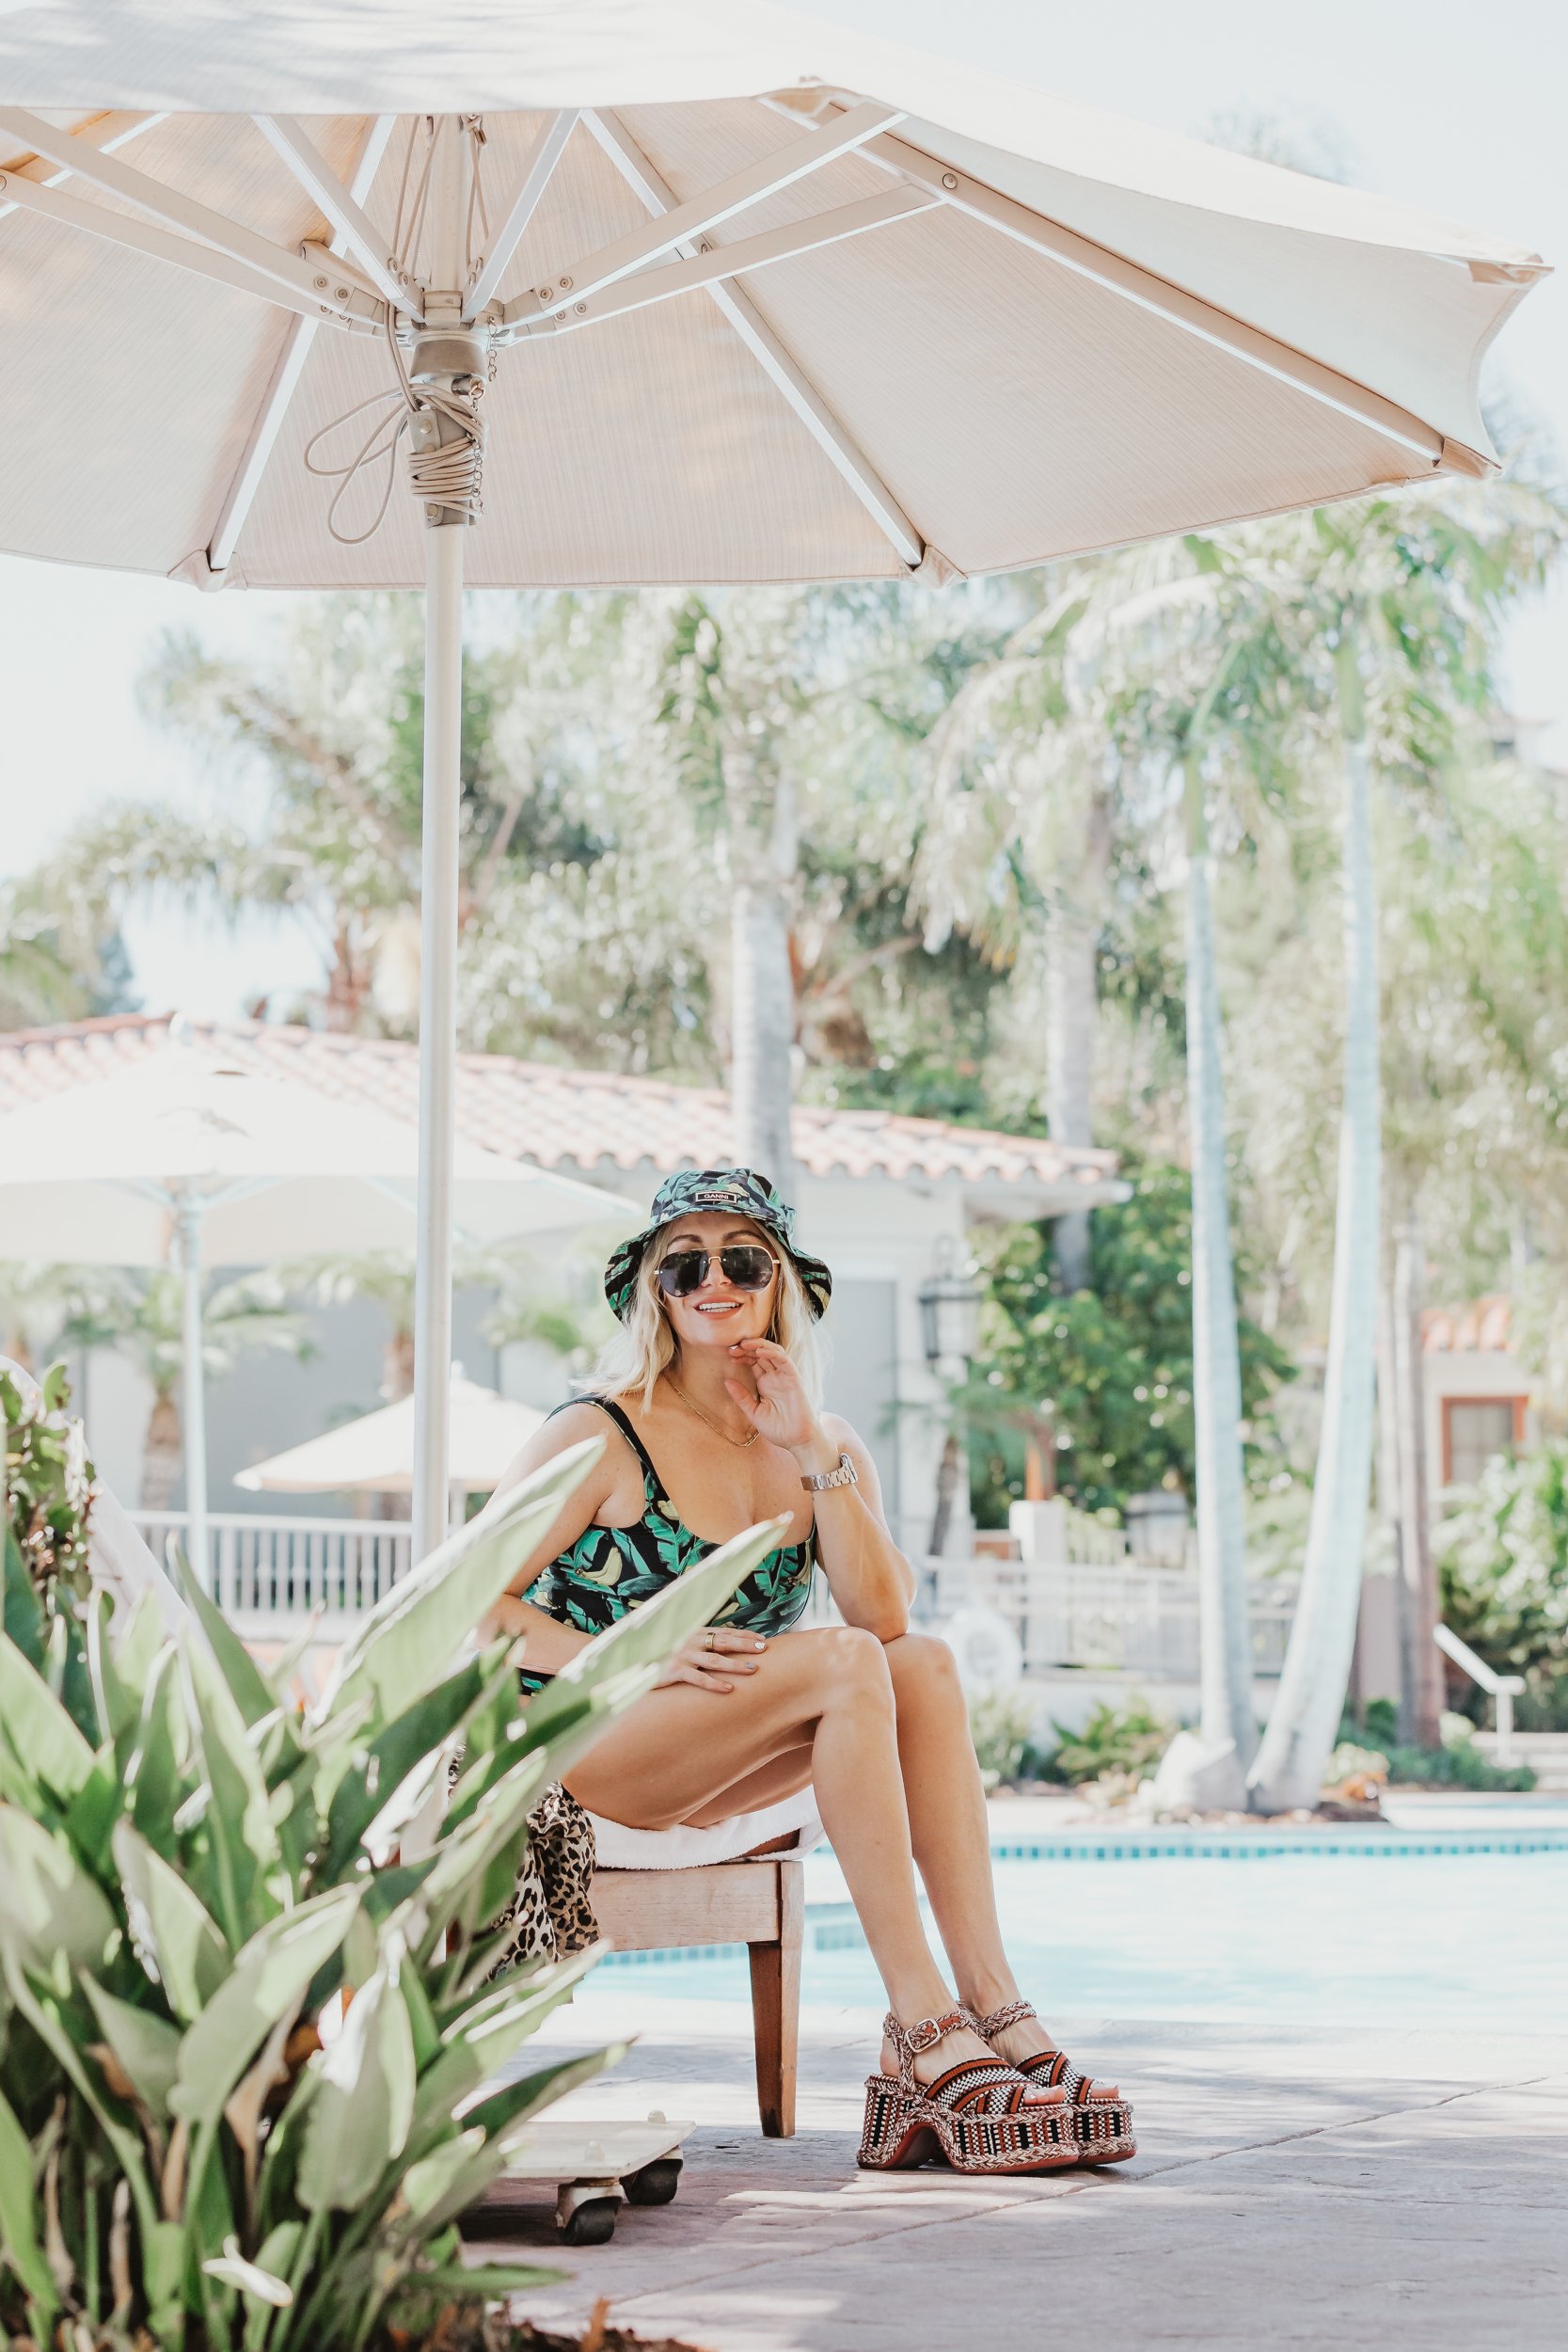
{"x": 551, "y": 1914}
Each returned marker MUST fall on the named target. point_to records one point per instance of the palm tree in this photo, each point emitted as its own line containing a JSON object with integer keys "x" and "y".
{"x": 1099, "y": 724}
{"x": 1025, "y": 805}
{"x": 141, "y": 1316}
{"x": 1389, "y": 609}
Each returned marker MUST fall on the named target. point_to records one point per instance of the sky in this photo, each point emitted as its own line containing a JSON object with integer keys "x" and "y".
{"x": 1452, "y": 107}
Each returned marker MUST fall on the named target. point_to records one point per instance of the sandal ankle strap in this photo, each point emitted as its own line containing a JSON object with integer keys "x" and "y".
{"x": 998, "y": 2020}
{"x": 909, "y": 2040}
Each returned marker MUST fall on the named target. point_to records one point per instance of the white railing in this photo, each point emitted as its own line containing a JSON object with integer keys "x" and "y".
{"x": 1504, "y": 1689}
{"x": 281, "y": 1568}
{"x": 1124, "y": 1620}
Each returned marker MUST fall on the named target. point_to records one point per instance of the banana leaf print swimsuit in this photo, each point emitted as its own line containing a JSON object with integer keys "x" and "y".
{"x": 612, "y": 1570}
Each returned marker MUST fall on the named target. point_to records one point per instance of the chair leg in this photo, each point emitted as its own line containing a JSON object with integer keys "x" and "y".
{"x": 776, "y": 2006}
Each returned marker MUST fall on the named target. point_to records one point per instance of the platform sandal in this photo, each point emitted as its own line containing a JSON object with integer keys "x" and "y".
{"x": 979, "y": 2116}
{"x": 1099, "y": 2117}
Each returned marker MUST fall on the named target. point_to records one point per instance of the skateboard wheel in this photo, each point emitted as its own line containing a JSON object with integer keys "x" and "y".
{"x": 591, "y": 2223}
{"x": 656, "y": 2184}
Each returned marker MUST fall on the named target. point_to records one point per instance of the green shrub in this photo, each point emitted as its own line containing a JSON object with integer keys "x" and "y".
{"x": 188, "y": 1884}
{"x": 1457, "y": 1764}
{"x": 1502, "y": 1559}
{"x": 999, "y": 1727}
{"x": 1129, "y": 1740}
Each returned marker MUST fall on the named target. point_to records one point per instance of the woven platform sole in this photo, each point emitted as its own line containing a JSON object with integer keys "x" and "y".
{"x": 1102, "y": 2129}
{"x": 902, "y": 2131}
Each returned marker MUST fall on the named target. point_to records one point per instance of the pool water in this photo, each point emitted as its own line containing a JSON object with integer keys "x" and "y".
{"x": 1445, "y": 1939}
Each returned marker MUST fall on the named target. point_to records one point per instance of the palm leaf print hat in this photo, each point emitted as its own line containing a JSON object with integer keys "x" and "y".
{"x": 740, "y": 1189}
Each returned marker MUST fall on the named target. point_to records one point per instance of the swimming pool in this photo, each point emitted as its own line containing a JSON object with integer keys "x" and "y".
{"x": 1343, "y": 1932}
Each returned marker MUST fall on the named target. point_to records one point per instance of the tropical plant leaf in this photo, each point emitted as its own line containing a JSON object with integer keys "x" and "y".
{"x": 246, "y": 1684}
{"x": 505, "y": 2112}
{"x": 269, "y": 1976}
{"x": 19, "y": 2216}
{"x": 23, "y": 1610}
{"x": 50, "y": 1910}
{"x": 486, "y": 2035}
{"x": 155, "y": 1775}
{"x": 239, "y": 1824}
{"x": 411, "y": 1637}
{"x": 248, "y": 2279}
{"x": 415, "y": 1734}
{"x": 38, "y": 1729}
{"x": 364, "y": 2098}
{"x": 145, "y": 2047}
{"x": 169, "y": 1925}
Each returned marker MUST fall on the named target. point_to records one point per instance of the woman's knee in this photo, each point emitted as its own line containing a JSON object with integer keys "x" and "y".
{"x": 921, "y": 1663}
{"x": 854, "y": 1664}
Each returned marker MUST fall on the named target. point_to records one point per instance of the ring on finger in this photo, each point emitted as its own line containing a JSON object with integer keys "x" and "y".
{"x": 708, "y": 1641}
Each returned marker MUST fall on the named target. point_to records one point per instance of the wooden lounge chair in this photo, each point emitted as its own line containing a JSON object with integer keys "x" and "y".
{"x": 760, "y": 1904}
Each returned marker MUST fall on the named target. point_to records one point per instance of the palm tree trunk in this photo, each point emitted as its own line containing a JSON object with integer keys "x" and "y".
{"x": 1072, "y": 1010}
{"x": 1424, "y": 1693}
{"x": 1225, "y": 1641}
{"x": 762, "y": 985}
{"x": 1305, "y": 1716}
{"x": 163, "y": 1453}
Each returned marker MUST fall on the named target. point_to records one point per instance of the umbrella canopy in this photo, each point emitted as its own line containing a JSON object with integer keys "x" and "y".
{"x": 688, "y": 290}
{"x": 98, "y": 1174}
{"x": 769, "y": 300}
{"x": 374, "y": 1454}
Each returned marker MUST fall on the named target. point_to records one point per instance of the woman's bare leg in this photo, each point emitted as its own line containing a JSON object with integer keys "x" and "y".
{"x": 786, "y": 1777}
{"x": 667, "y": 1757}
{"x": 949, "y": 1833}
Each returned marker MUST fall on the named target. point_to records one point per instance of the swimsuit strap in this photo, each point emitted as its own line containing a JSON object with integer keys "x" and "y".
{"x": 623, "y": 1423}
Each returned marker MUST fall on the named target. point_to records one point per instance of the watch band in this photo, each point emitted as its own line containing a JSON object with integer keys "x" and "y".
{"x": 820, "y": 1480}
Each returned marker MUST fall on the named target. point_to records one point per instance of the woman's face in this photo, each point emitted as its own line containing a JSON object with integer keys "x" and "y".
{"x": 718, "y": 1312}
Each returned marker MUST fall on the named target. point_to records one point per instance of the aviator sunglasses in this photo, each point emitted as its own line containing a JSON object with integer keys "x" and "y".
{"x": 746, "y": 1264}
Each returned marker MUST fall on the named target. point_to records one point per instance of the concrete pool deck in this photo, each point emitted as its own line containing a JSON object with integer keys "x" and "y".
{"x": 1324, "y": 2189}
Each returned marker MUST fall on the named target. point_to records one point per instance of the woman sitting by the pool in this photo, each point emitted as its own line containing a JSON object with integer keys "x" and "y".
{"x": 713, "y": 1394}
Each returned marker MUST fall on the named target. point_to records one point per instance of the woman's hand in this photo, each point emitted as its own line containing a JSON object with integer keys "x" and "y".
{"x": 711, "y": 1657}
{"x": 777, "y": 1406}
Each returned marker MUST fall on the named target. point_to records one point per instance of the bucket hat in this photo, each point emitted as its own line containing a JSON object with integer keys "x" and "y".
{"x": 740, "y": 1189}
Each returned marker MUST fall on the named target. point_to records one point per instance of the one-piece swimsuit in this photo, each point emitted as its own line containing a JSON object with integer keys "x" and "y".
{"x": 611, "y": 1569}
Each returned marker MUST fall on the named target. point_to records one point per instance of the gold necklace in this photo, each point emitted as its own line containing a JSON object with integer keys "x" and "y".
{"x": 718, "y": 1426}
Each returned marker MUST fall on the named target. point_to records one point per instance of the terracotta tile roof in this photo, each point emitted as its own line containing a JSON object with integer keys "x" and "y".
{"x": 586, "y": 1121}
{"x": 1482, "y": 1328}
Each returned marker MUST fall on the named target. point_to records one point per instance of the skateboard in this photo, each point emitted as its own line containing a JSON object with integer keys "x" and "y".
{"x": 594, "y": 2168}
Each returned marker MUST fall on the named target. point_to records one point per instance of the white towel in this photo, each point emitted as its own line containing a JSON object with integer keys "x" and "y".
{"x": 684, "y": 1849}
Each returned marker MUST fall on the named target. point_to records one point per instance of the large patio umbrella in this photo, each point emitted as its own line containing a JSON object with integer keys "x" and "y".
{"x": 694, "y": 290}
{"x": 373, "y": 1454}
{"x": 181, "y": 1161}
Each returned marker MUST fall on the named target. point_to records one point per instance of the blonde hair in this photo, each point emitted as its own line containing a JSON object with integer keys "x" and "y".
{"x": 645, "y": 1346}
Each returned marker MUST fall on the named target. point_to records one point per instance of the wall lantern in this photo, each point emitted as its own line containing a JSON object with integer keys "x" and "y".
{"x": 949, "y": 1309}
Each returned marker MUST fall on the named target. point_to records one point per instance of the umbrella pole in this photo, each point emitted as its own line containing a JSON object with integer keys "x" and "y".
{"x": 195, "y": 1397}
{"x": 443, "y": 734}
{"x": 437, "y": 1031}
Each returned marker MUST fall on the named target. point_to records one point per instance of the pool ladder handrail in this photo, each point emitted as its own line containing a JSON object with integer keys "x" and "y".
{"x": 1503, "y": 1689}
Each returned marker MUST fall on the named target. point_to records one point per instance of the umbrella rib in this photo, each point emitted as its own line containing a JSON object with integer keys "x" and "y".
{"x": 241, "y": 248}
{"x": 784, "y": 371}
{"x": 105, "y": 134}
{"x": 1164, "y": 299}
{"x": 339, "y": 206}
{"x": 680, "y": 221}
{"x": 141, "y": 236}
{"x": 298, "y": 335}
{"x": 708, "y": 265}
{"x": 547, "y": 151}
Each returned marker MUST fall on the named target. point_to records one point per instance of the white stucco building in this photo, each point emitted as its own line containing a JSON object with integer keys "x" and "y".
{"x": 882, "y": 1198}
